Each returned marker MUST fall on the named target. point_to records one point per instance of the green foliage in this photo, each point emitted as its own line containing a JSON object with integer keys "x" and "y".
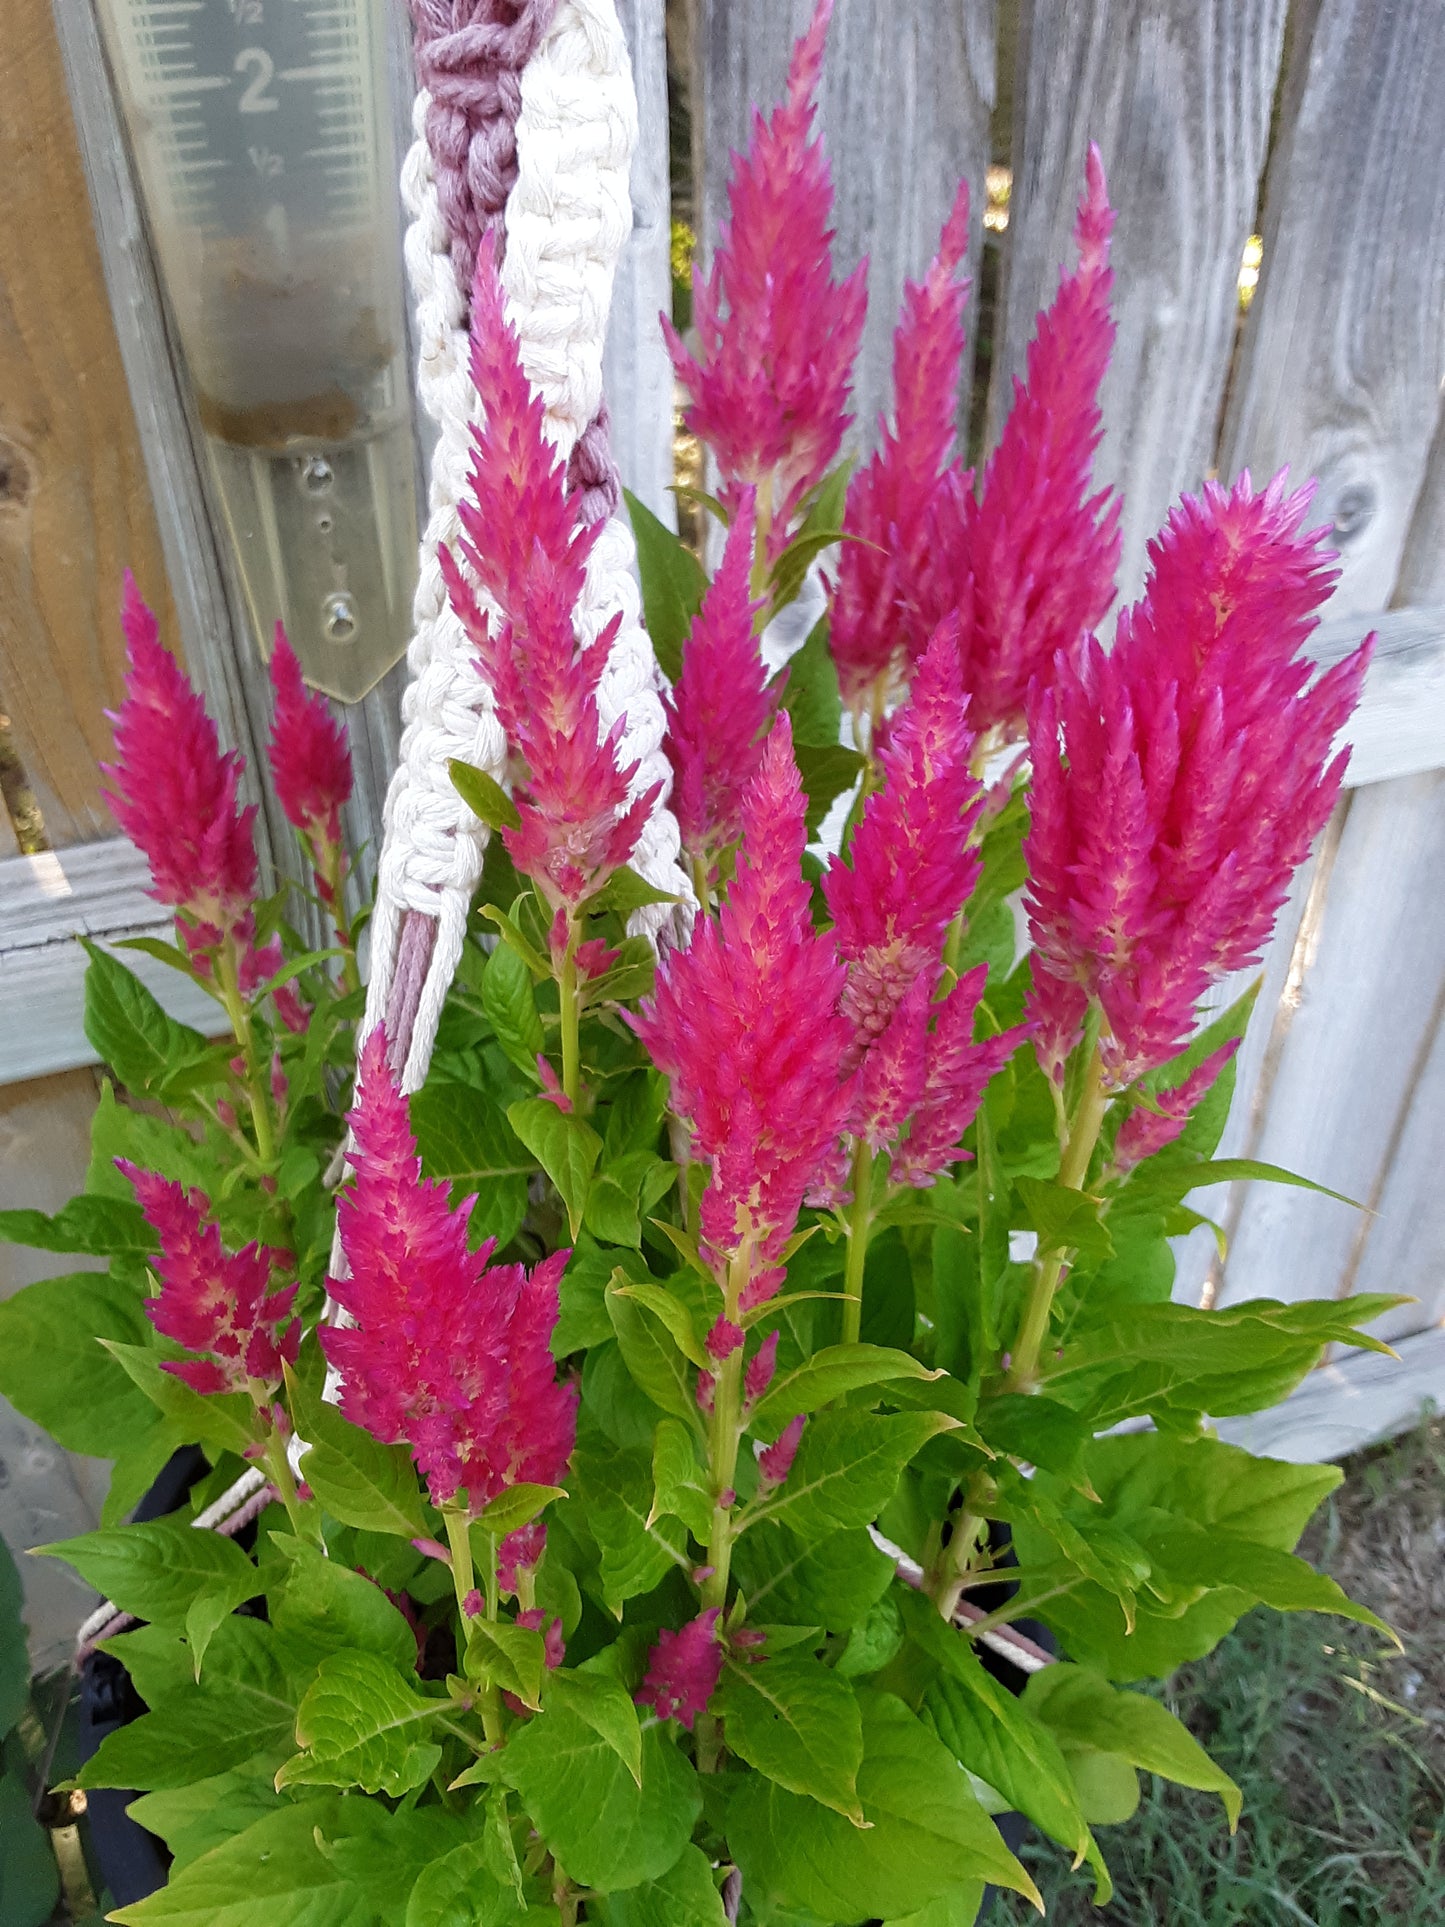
{"x": 673, "y": 585}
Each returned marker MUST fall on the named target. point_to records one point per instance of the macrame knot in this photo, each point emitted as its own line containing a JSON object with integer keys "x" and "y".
{"x": 592, "y": 473}
{"x": 469, "y": 57}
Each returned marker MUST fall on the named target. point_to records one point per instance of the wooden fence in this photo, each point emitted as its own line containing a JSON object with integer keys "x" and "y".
{"x": 1315, "y": 123}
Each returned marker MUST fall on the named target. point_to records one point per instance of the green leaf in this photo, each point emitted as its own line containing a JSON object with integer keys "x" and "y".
{"x": 358, "y": 1480}
{"x": 673, "y": 584}
{"x": 324, "y": 1605}
{"x": 566, "y": 1148}
{"x": 14, "y": 1665}
{"x": 833, "y": 1581}
{"x": 155, "y": 1570}
{"x": 483, "y": 795}
{"x": 821, "y": 527}
{"x": 811, "y": 696}
{"x": 847, "y": 1467}
{"x": 193, "y": 1819}
{"x": 221, "y": 1421}
{"x": 510, "y": 1003}
{"x": 1178, "y": 1180}
{"x": 463, "y": 1136}
{"x": 458, "y": 1891}
{"x": 605, "y": 1829}
{"x": 679, "y": 1480}
{"x": 384, "y": 1854}
{"x": 1037, "y": 1430}
{"x": 797, "y": 1722}
{"x": 605, "y": 1705}
{"x": 363, "y": 1725}
{"x": 652, "y": 1356}
{"x": 1065, "y": 1220}
{"x": 518, "y": 1506}
{"x": 29, "y": 1877}
{"x": 1080, "y": 1708}
{"x": 873, "y": 1641}
{"x": 612, "y": 1493}
{"x": 54, "y": 1369}
{"x": 669, "y": 1310}
{"x": 583, "y": 1321}
{"x": 625, "y": 891}
{"x": 685, "y": 1896}
{"x": 513, "y": 1656}
{"x": 1277, "y": 1579}
{"x": 128, "y": 1029}
{"x": 275, "y": 1874}
{"x": 927, "y": 1834}
{"x": 828, "y": 771}
{"x": 830, "y": 1374}
{"x": 86, "y": 1226}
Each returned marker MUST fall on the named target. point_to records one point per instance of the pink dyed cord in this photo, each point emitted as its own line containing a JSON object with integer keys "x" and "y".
{"x": 469, "y": 57}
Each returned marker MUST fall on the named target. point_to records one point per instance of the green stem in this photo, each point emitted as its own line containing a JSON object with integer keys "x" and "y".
{"x": 951, "y": 1572}
{"x": 1015, "y": 1609}
{"x": 724, "y": 1437}
{"x": 571, "y": 1014}
{"x": 331, "y": 870}
{"x": 277, "y": 1468}
{"x": 860, "y": 1225}
{"x": 463, "y": 1583}
{"x": 1079, "y": 1147}
{"x": 228, "y": 977}
{"x": 763, "y": 529}
{"x": 701, "y": 887}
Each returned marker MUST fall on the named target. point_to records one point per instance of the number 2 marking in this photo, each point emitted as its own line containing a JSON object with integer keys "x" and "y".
{"x": 261, "y": 66}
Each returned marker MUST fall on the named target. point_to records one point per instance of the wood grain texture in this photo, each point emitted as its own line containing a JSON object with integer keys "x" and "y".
{"x": 45, "y": 1493}
{"x": 47, "y": 901}
{"x": 1399, "y": 727}
{"x": 1344, "y": 350}
{"x": 906, "y": 98}
{"x": 74, "y": 505}
{"x": 636, "y": 371}
{"x": 1344, "y": 1406}
{"x": 211, "y": 624}
{"x": 1177, "y": 94}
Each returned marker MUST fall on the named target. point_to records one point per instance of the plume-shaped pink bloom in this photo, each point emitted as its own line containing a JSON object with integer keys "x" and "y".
{"x": 760, "y": 1369}
{"x": 956, "y": 1072}
{"x": 876, "y": 621}
{"x": 745, "y": 1023}
{"x": 775, "y": 1461}
{"x": 721, "y": 709}
{"x": 222, "y": 1307}
{"x": 1179, "y": 779}
{"x": 520, "y": 1551}
{"x": 912, "y": 867}
{"x": 1029, "y": 565}
{"x": 309, "y": 756}
{"x": 449, "y": 1352}
{"x": 778, "y": 335}
{"x": 1144, "y": 1132}
{"x": 174, "y": 792}
{"x": 683, "y": 1670}
{"x": 527, "y": 547}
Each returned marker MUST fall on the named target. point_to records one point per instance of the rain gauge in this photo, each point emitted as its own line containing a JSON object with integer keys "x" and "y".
{"x": 262, "y": 135}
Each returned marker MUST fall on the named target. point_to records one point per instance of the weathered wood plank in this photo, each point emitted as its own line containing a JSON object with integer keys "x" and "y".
{"x": 905, "y": 105}
{"x": 74, "y": 505}
{"x": 46, "y": 901}
{"x": 1345, "y": 1406}
{"x": 45, "y": 1493}
{"x": 210, "y": 618}
{"x": 1399, "y": 727}
{"x": 636, "y": 372}
{"x": 1344, "y": 349}
{"x": 1177, "y": 94}
{"x": 1348, "y": 1069}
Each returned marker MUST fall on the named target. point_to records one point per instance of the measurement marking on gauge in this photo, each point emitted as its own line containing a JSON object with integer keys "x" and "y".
{"x": 190, "y": 84}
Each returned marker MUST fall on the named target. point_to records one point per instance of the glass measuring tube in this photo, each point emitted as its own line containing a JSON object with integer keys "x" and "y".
{"x": 262, "y": 138}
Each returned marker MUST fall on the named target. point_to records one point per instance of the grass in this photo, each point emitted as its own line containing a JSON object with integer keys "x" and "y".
{"x": 1337, "y": 1742}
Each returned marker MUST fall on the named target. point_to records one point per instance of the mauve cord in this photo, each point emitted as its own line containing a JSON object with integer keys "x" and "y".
{"x": 469, "y": 57}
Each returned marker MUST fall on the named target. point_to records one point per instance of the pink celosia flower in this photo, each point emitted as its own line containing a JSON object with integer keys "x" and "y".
{"x": 775, "y": 1461}
{"x": 1144, "y": 1131}
{"x": 172, "y": 790}
{"x": 222, "y": 1307}
{"x": 745, "y": 1023}
{"x": 1030, "y": 564}
{"x": 536, "y": 1620}
{"x": 956, "y": 1073}
{"x": 721, "y": 709}
{"x": 1179, "y": 779}
{"x": 723, "y": 1339}
{"x": 760, "y": 1369}
{"x": 912, "y": 868}
{"x": 778, "y": 335}
{"x": 875, "y": 620}
{"x": 683, "y": 1670}
{"x": 527, "y": 546}
{"x": 520, "y": 1551}
{"x": 449, "y": 1352}
{"x": 310, "y": 760}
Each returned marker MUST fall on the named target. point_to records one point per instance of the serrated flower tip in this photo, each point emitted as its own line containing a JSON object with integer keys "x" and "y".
{"x": 308, "y": 752}
{"x": 218, "y": 1306}
{"x": 173, "y": 791}
{"x": 1180, "y": 779}
{"x": 449, "y": 1352}
{"x": 1145, "y": 1132}
{"x": 683, "y": 1670}
{"x": 775, "y": 1461}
